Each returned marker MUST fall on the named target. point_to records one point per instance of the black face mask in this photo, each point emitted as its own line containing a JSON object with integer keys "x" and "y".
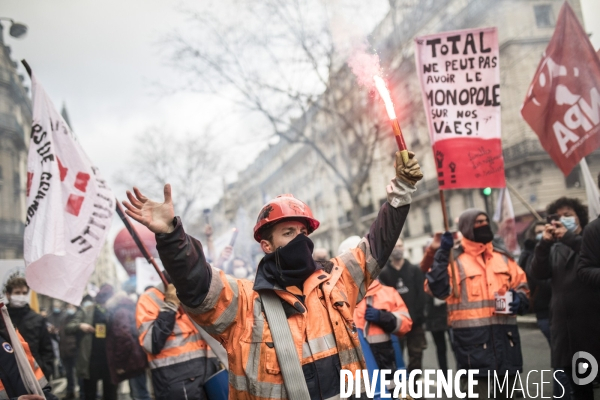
{"x": 483, "y": 234}
{"x": 291, "y": 264}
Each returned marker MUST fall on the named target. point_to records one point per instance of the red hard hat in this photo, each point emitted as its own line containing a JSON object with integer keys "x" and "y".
{"x": 284, "y": 206}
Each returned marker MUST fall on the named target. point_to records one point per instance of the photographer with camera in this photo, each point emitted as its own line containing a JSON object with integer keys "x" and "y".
{"x": 574, "y": 307}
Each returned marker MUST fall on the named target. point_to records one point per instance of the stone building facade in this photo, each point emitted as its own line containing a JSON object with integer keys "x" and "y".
{"x": 15, "y": 124}
{"x": 525, "y": 28}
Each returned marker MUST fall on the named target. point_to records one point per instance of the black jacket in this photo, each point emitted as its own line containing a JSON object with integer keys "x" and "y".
{"x": 588, "y": 269}
{"x": 409, "y": 283}
{"x": 10, "y": 375}
{"x": 575, "y": 306}
{"x": 540, "y": 289}
{"x": 34, "y": 330}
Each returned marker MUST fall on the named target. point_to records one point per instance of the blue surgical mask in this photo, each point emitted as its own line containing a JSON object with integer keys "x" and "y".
{"x": 70, "y": 312}
{"x": 569, "y": 222}
{"x": 538, "y": 237}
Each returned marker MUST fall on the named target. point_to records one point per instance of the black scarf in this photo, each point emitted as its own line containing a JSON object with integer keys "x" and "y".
{"x": 483, "y": 234}
{"x": 291, "y": 264}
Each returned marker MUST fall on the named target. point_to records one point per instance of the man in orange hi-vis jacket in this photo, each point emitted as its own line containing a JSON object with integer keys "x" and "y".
{"x": 180, "y": 360}
{"x": 484, "y": 337}
{"x": 380, "y": 314}
{"x": 312, "y": 303}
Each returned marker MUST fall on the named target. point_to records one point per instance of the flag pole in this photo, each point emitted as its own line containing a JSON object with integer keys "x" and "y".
{"x": 212, "y": 342}
{"x": 27, "y": 375}
{"x": 139, "y": 243}
{"x": 447, "y": 229}
{"x": 523, "y": 201}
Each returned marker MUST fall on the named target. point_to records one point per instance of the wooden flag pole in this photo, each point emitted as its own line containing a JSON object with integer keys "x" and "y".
{"x": 523, "y": 201}
{"x": 447, "y": 229}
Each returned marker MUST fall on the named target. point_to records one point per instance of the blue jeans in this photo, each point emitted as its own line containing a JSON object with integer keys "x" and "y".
{"x": 139, "y": 388}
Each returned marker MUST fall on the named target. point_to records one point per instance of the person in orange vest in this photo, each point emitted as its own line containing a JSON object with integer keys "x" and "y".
{"x": 12, "y": 385}
{"x": 380, "y": 314}
{"x": 180, "y": 360}
{"x": 289, "y": 333}
{"x": 483, "y": 338}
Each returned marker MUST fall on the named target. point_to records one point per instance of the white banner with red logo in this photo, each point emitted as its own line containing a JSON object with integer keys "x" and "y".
{"x": 69, "y": 206}
{"x": 504, "y": 215}
{"x": 459, "y": 74}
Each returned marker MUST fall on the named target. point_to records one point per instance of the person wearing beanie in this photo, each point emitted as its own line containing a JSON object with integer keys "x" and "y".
{"x": 484, "y": 290}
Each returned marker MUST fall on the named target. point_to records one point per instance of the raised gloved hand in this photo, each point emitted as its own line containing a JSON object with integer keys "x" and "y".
{"x": 409, "y": 173}
{"x": 171, "y": 295}
{"x": 515, "y": 305}
{"x": 372, "y": 314}
{"x": 447, "y": 241}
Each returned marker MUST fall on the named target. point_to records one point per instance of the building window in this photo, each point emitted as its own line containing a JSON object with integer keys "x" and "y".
{"x": 449, "y": 215}
{"x": 406, "y": 229}
{"x": 543, "y": 16}
{"x": 426, "y": 221}
{"x": 573, "y": 180}
{"x": 17, "y": 185}
{"x": 468, "y": 197}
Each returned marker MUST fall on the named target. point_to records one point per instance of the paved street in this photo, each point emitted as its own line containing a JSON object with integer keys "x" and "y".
{"x": 536, "y": 356}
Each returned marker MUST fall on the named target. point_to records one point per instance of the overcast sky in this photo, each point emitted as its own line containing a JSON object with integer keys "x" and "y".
{"x": 102, "y": 59}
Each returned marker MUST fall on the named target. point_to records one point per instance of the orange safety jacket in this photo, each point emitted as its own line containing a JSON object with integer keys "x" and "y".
{"x": 383, "y": 298}
{"x": 39, "y": 374}
{"x": 321, "y": 317}
{"x": 483, "y": 339}
{"x": 183, "y": 355}
{"x": 322, "y": 327}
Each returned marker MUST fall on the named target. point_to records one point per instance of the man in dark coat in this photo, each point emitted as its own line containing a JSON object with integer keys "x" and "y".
{"x": 68, "y": 350}
{"x": 575, "y": 306}
{"x": 32, "y": 326}
{"x": 408, "y": 280}
{"x": 126, "y": 358}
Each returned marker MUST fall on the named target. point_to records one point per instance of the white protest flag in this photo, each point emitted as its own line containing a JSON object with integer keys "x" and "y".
{"x": 504, "y": 215}
{"x": 69, "y": 206}
{"x": 590, "y": 190}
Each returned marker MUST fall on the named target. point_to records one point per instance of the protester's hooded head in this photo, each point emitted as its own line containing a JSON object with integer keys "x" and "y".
{"x": 106, "y": 291}
{"x": 475, "y": 226}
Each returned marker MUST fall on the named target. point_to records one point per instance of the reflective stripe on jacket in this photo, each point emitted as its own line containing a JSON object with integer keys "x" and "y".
{"x": 183, "y": 344}
{"x": 387, "y": 299}
{"x": 482, "y": 339}
{"x": 323, "y": 327}
{"x": 320, "y": 318}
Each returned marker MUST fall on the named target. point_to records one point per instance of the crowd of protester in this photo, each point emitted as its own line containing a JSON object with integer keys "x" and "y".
{"x": 115, "y": 336}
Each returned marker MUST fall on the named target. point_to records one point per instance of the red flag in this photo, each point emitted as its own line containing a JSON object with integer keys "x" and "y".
{"x": 562, "y": 105}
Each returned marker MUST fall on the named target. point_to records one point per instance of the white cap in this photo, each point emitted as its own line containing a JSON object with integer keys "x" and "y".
{"x": 348, "y": 243}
